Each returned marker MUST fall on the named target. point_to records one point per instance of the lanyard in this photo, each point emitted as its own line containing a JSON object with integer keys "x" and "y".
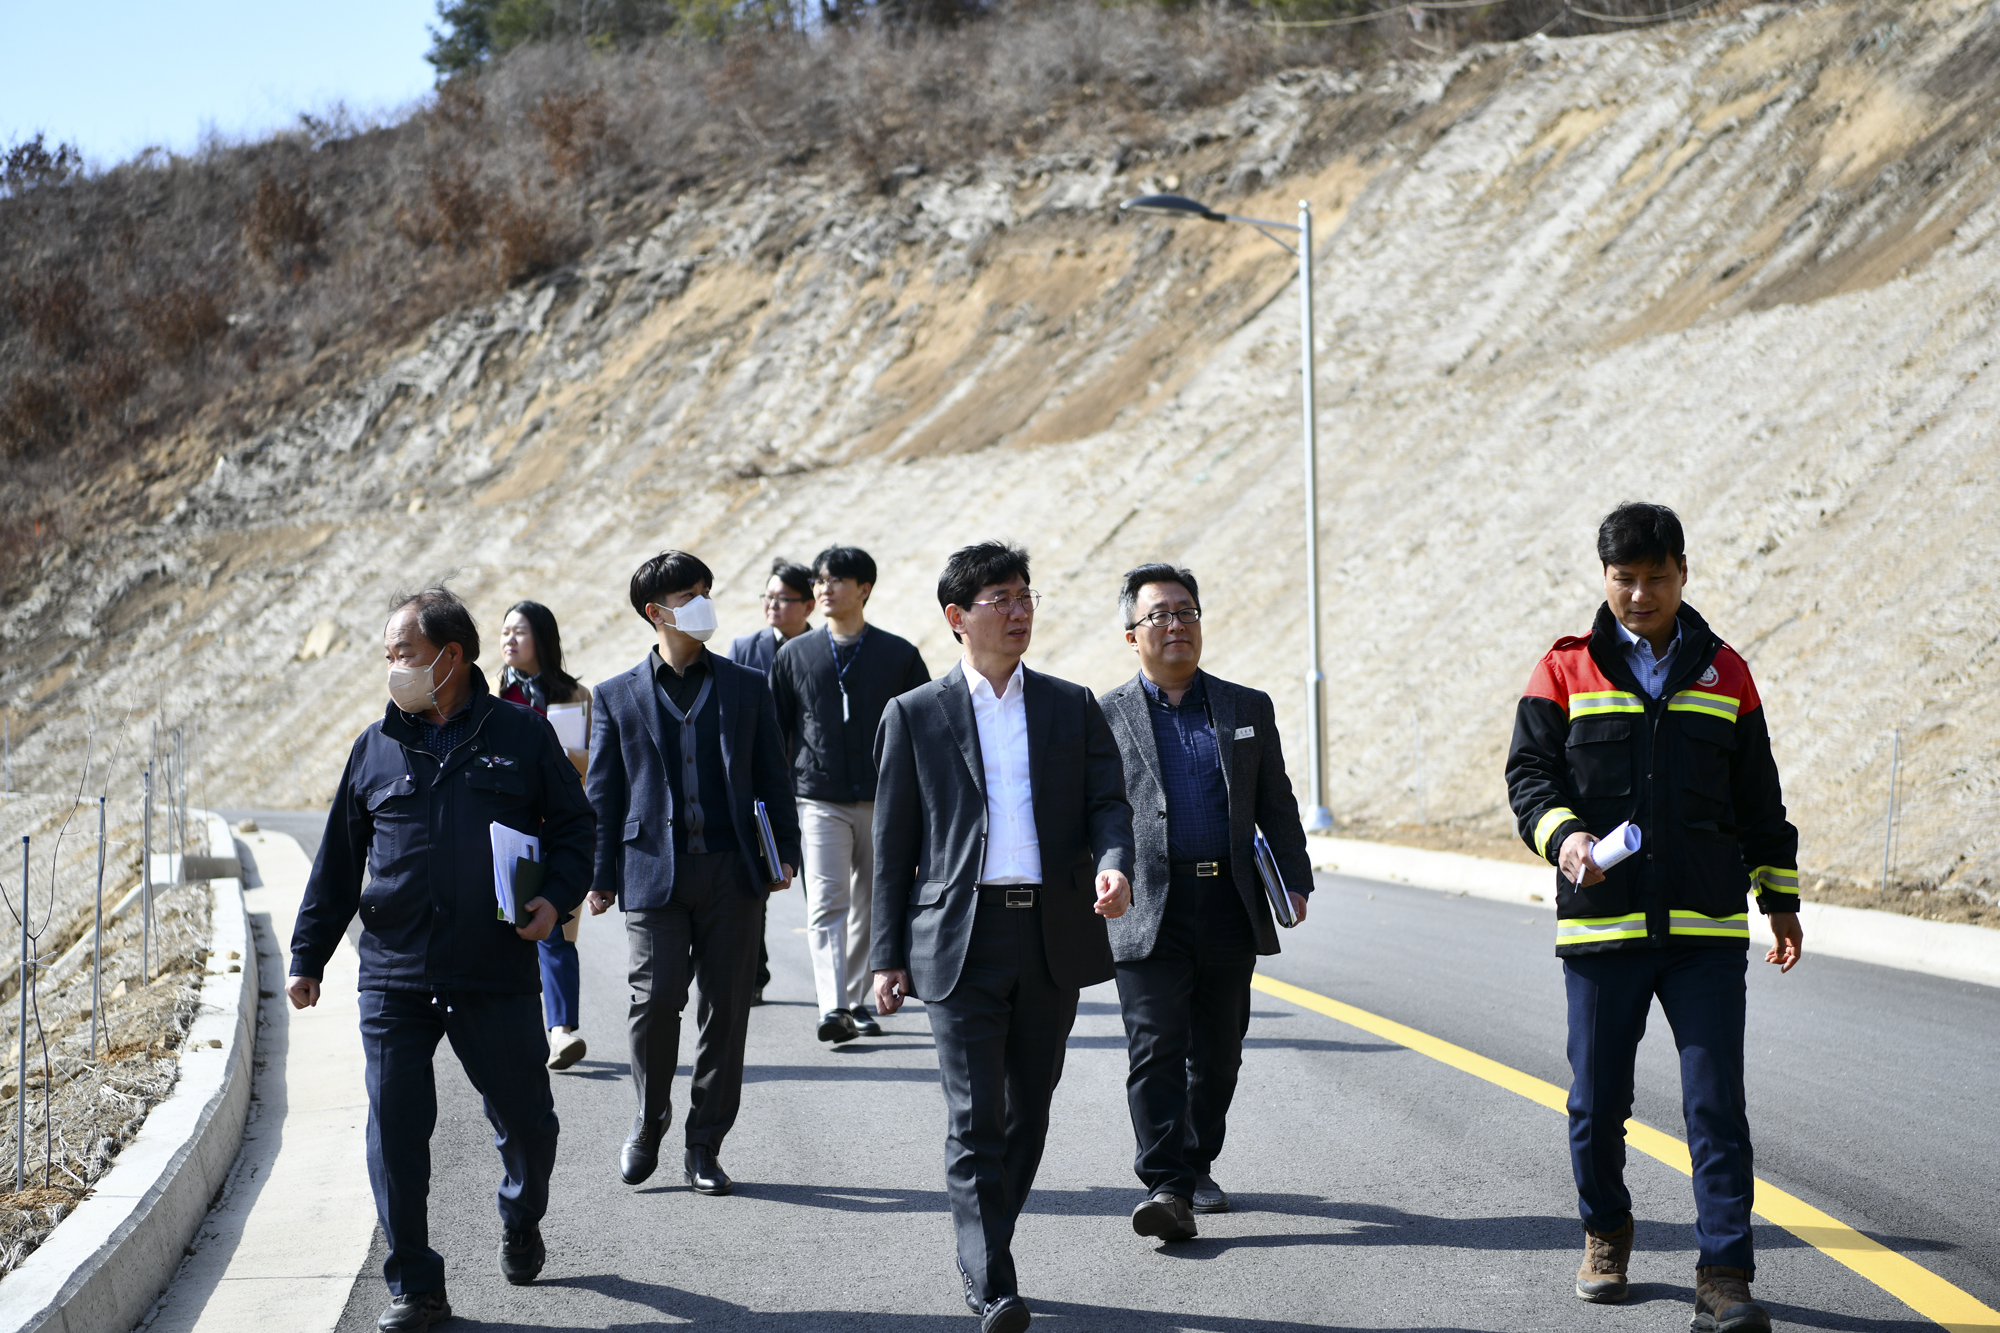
{"x": 839, "y": 671}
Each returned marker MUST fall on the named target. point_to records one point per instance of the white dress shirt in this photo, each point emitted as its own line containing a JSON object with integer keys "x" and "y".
{"x": 1013, "y": 852}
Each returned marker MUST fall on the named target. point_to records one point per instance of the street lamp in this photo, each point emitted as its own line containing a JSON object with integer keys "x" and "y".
{"x": 1318, "y": 818}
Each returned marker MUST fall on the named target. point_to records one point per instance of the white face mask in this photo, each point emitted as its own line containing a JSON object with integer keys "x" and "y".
{"x": 696, "y": 619}
{"x": 412, "y": 688}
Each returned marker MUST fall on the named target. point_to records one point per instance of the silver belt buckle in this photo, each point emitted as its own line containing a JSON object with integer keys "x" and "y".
{"x": 1020, "y": 897}
{"x": 1207, "y": 869}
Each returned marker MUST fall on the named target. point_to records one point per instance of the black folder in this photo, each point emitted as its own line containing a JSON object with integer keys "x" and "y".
{"x": 1274, "y": 885}
{"x": 774, "y": 870}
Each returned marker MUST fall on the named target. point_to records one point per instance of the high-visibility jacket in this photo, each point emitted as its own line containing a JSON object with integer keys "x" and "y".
{"x": 1693, "y": 769}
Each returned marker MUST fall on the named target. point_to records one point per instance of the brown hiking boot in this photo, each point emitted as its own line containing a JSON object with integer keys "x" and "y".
{"x": 1606, "y": 1256}
{"x": 1722, "y": 1303}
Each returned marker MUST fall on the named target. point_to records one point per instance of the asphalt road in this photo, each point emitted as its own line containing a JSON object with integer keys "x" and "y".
{"x": 1375, "y": 1188}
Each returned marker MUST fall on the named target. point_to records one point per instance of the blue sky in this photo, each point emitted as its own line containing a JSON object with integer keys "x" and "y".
{"x": 117, "y": 76}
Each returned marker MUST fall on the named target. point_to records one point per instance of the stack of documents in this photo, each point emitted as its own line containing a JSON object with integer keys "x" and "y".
{"x": 517, "y": 872}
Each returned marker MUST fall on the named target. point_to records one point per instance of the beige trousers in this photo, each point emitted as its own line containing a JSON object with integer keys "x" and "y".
{"x": 840, "y": 886}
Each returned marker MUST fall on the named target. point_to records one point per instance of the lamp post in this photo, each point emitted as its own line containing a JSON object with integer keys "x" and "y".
{"x": 1318, "y": 818}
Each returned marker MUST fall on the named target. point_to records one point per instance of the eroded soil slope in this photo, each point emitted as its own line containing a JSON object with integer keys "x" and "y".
{"x": 1746, "y": 266}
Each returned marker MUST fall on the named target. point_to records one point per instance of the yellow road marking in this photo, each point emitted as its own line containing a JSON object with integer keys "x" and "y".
{"x": 1909, "y": 1282}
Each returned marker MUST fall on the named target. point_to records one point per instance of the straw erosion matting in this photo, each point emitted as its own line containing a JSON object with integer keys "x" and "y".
{"x": 84, "y": 1107}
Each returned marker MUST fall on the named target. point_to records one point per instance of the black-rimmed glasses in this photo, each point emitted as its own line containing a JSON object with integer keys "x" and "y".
{"x": 1187, "y": 615}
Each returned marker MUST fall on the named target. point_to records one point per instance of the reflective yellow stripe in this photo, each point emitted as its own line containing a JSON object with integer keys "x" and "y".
{"x": 1547, "y": 825}
{"x": 1775, "y": 878}
{"x": 1592, "y": 702}
{"x": 1597, "y": 929}
{"x": 1700, "y": 701}
{"x": 1694, "y": 923}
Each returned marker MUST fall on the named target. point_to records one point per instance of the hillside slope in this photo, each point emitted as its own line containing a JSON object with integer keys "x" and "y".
{"x": 1746, "y": 266}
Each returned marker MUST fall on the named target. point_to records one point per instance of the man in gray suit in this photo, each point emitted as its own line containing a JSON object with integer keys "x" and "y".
{"x": 1002, "y": 842}
{"x": 1205, "y": 771}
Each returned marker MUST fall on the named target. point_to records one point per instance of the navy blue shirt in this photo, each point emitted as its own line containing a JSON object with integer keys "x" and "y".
{"x": 441, "y": 741}
{"x": 711, "y": 780}
{"x": 1191, "y": 774}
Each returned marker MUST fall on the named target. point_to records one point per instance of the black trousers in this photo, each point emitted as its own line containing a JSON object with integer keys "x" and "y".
{"x": 706, "y": 933}
{"x": 500, "y": 1043}
{"x": 1001, "y": 1035}
{"x": 1186, "y": 1009}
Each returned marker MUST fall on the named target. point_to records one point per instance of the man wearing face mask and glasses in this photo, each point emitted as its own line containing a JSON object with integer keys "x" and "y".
{"x": 422, "y": 791}
{"x": 682, "y": 747}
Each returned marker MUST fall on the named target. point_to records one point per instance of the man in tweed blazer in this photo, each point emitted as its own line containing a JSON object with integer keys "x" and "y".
{"x": 1204, "y": 771}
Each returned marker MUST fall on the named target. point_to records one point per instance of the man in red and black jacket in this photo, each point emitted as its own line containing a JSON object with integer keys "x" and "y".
{"x": 1655, "y": 720}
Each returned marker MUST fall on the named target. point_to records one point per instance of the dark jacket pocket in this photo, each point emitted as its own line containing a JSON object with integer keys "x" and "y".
{"x": 1600, "y": 757}
{"x": 1708, "y": 746}
{"x": 632, "y": 827}
{"x": 927, "y": 892}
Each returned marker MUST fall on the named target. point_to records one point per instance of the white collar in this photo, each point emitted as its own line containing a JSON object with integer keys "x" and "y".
{"x": 978, "y": 683}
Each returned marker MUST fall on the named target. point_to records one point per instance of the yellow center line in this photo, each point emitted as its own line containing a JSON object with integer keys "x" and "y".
{"x": 1909, "y": 1282}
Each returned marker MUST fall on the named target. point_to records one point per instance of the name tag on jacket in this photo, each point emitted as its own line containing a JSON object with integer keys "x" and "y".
{"x": 1245, "y": 733}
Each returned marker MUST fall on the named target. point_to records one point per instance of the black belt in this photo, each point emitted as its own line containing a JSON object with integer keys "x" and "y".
{"x": 1200, "y": 869}
{"x": 1010, "y": 895}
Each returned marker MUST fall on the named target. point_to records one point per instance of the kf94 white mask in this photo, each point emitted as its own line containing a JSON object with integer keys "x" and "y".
{"x": 696, "y": 619}
{"x": 413, "y": 688}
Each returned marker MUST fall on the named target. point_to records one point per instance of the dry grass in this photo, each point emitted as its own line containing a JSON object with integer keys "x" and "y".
{"x": 210, "y": 291}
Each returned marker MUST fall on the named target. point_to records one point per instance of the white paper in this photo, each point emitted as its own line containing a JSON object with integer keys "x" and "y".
{"x": 567, "y": 719}
{"x": 508, "y": 845}
{"x": 1615, "y": 846}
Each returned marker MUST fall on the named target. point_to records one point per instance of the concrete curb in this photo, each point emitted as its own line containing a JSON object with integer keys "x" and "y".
{"x": 105, "y": 1264}
{"x": 1887, "y": 939}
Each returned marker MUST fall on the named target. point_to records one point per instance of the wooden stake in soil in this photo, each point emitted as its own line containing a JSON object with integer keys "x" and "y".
{"x": 97, "y": 938}
{"x": 1889, "y": 824}
{"x": 21, "y": 1066}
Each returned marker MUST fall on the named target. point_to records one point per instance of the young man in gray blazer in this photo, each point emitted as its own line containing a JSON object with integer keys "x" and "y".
{"x": 1204, "y": 771}
{"x": 1002, "y": 843}
{"x": 682, "y": 746}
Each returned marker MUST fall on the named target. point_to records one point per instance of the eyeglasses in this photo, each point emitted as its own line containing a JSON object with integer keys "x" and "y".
{"x": 826, "y": 581}
{"x": 785, "y": 601}
{"x": 1187, "y": 615}
{"x": 1027, "y": 599}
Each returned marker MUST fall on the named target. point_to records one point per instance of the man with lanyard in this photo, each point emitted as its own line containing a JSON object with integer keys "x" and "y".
{"x": 423, "y": 791}
{"x": 1204, "y": 770}
{"x": 1652, "y": 719}
{"x": 830, "y": 690}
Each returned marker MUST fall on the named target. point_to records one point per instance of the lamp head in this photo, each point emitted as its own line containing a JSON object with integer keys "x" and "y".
{"x": 1171, "y": 205}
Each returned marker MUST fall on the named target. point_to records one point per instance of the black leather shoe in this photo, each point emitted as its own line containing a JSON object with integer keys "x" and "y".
{"x": 522, "y": 1255}
{"x": 641, "y": 1153}
{"x": 972, "y": 1301}
{"x": 414, "y": 1313}
{"x": 1208, "y": 1196}
{"x": 864, "y": 1022}
{"x": 1004, "y": 1314}
{"x": 706, "y": 1174}
{"x": 1165, "y": 1215}
{"x": 836, "y": 1026}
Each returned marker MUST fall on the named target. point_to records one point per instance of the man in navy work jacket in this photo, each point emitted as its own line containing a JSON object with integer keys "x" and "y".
{"x": 1204, "y": 771}
{"x": 416, "y": 806}
{"x": 682, "y": 747}
{"x": 1652, "y": 718}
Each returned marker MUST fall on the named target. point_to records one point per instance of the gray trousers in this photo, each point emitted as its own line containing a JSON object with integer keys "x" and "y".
{"x": 840, "y": 889}
{"x": 706, "y": 933}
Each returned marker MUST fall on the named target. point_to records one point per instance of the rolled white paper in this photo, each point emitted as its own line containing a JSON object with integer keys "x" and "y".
{"x": 1615, "y": 846}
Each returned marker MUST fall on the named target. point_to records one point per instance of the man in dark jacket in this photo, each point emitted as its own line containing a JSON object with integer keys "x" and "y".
{"x": 1204, "y": 770}
{"x": 830, "y": 690}
{"x": 423, "y": 790}
{"x": 1652, "y": 719}
{"x": 1002, "y": 840}
{"x": 682, "y": 748}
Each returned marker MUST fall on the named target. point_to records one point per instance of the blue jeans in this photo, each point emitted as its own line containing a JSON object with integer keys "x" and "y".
{"x": 561, "y": 980}
{"x": 498, "y": 1040}
{"x": 1701, "y": 990}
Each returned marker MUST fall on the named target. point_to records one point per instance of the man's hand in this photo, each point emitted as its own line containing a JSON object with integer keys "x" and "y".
{"x": 890, "y": 988}
{"x": 303, "y": 992}
{"x": 784, "y": 883}
{"x": 600, "y": 903}
{"x": 544, "y": 913}
{"x": 1576, "y": 863}
{"x": 1788, "y": 941}
{"x": 1298, "y": 905}
{"x": 1114, "y": 894}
